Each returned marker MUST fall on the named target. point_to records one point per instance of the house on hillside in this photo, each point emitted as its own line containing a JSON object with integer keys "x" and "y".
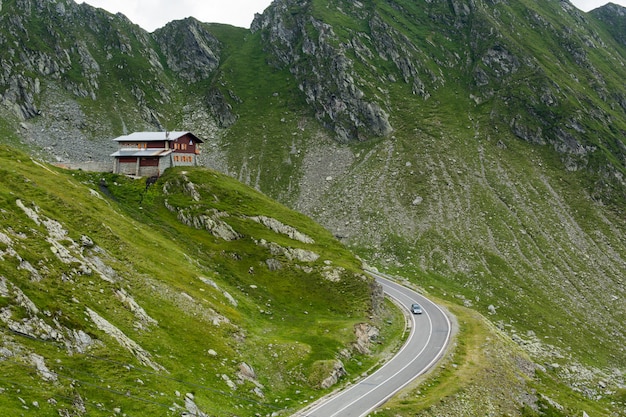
{"x": 148, "y": 154}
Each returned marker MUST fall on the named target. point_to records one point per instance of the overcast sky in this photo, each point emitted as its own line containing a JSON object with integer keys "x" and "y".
{"x": 153, "y": 14}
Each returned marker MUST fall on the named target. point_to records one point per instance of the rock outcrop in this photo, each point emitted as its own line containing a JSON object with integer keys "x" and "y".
{"x": 336, "y": 373}
{"x": 190, "y": 50}
{"x": 323, "y": 69}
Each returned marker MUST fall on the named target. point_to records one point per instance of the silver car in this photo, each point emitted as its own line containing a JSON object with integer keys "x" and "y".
{"x": 416, "y": 308}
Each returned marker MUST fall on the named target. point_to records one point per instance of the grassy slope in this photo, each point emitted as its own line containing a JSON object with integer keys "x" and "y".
{"x": 485, "y": 373}
{"x": 286, "y": 324}
{"x": 272, "y": 115}
{"x": 507, "y": 227}
{"x": 502, "y": 222}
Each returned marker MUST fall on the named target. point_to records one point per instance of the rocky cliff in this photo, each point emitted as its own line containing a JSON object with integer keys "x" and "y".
{"x": 71, "y": 70}
{"x": 476, "y": 146}
{"x": 344, "y": 57}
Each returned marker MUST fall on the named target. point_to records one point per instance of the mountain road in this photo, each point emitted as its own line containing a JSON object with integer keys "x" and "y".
{"x": 426, "y": 343}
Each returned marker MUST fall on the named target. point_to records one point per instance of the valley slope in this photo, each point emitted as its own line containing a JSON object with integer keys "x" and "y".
{"x": 192, "y": 295}
{"x": 475, "y": 147}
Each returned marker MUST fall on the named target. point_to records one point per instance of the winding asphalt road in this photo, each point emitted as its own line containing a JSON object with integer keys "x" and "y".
{"x": 429, "y": 336}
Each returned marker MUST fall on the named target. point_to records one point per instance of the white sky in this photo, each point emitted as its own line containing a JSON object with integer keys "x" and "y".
{"x": 153, "y": 14}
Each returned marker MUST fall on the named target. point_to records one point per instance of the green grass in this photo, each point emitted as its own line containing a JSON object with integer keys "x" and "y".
{"x": 270, "y": 96}
{"x": 482, "y": 372}
{"x": 285, "y": 322}
{"x": 503, "y": 223}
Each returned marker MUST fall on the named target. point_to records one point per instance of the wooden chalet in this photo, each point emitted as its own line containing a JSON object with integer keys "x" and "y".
{"x": 148, "y": 154}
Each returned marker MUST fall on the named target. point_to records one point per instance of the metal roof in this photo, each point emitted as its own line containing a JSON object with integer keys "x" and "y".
{"x": 155, "y": 136}
{"x": 142, "y": 152}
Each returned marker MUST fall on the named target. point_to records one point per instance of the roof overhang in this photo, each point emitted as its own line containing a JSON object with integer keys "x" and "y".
{"x": 156, "y": 136}
{"x": 141, "y": 153}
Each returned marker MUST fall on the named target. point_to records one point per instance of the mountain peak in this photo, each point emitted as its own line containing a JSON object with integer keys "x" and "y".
{"x": 475, "y": 148}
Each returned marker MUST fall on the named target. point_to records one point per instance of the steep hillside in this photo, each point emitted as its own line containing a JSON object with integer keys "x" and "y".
{"x": 361, "y": 65}
{"x": 476, "y": 147}
{"x": 498, "y": 179}
{"x": 194, "y": 294}
{"x": 614, "y": 17}
{"x": 501, "y": 183}
{"x": 73, "y": 71}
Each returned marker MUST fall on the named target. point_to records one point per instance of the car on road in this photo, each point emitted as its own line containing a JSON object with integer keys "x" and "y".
{"x": 416, "y": 308}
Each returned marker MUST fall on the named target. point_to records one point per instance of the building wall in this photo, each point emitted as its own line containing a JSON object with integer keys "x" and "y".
{"x": 184, "y": 159}
{"x": 158, "y": 145}
{"x": 90, "y": 166}
{"x": 127, "y": 167}
{"x": 165, "y": 163}
{"x": 149, "y": 171}
{"x": 185, "y": 144}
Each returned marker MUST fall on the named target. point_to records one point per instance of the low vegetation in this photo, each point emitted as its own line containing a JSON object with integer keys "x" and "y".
{"x": 475, "y": 148}
{"x": 485, "y": 373}
{"x": 114, "y": 302}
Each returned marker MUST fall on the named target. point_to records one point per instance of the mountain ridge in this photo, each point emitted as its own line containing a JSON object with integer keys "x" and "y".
{"x": 474, "y": 146}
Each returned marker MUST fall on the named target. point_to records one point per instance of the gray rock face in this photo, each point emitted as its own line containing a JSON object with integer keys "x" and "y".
{"x": 337, "y": 372}
{"x": 63, "y": 58}
{"x": 406, "y": 56}
{"x": 192, "y": 407}
{"x": 78, "y": 52}
{"x": 279, "y": 227}
{"x": 323, "y": 69}
{"x": 365, "y": 334}
{"x": 210, "y": 222}
{"x": 190, "y": 49}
